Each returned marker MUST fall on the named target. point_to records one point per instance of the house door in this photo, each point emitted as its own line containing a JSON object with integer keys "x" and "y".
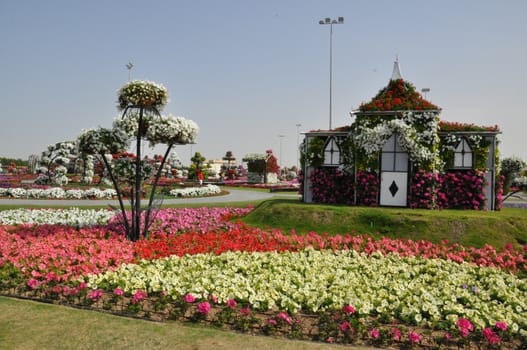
{"x": 394, "y": 174}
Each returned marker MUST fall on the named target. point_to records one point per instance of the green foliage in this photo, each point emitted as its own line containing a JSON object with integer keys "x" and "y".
{"x": 469, "y": 228}
{"x": 197, "y": 160}
{"x": 18, "y": 162}
{"x": 315, "y": 151}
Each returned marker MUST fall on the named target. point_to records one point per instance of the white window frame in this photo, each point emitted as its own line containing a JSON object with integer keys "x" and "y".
{"x": 331, "y": 152}
{"x": 463, "y": 155}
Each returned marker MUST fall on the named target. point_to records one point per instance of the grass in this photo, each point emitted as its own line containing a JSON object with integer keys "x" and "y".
{"x": 466, "y": 227}
{"x": 30, "y": 325}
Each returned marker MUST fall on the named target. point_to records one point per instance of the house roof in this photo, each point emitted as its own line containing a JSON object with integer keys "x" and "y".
{"x": 398, "y": 95}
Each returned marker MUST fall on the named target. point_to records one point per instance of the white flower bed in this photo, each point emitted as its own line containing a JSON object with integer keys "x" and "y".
{"x": 70, "y": 217}
{"x": 58, "y": 193}
{"x": 196, "y": 191}
{"x": 418, "y": 291}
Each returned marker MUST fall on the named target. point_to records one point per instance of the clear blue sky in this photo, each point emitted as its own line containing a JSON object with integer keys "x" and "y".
{"x": 248, "y": 71}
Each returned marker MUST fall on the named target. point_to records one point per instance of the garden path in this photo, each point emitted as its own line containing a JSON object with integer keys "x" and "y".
{"x": 235, "y": 195}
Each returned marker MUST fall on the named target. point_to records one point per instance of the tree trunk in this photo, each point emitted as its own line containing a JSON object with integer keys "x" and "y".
{"x": 136, "y": 226}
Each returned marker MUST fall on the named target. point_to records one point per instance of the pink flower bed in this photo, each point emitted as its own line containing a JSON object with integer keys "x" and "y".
{"x": 53, "y": 253}
{"x": 175, "y": 221}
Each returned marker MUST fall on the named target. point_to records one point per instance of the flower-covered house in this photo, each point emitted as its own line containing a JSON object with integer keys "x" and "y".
{"x": 398, "y": 152}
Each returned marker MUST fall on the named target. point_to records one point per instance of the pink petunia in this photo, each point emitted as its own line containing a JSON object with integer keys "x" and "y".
{"x": 396, "y": 333}
{"x": 204, "y": 307}
{"x": 245, "y": 311}
{"x": 375, "y": 333}
{"x": 284, "y": 316}
{"x": 232, "y": 303}
{"x": 272, "y": 322}
{"x": 189, "y": 298}
{"x": 465, "y": 326}
{"x": 414, "y": 337}
{"x": 95, "y": 294}
{"x": 502, "y": 326}
{"x": 348, "y": 309}
{"x": 491, "y": 336}
{"x": 138, "y": 296}
{"x": 32, "y": 283}
{"x": 344, "y": 326}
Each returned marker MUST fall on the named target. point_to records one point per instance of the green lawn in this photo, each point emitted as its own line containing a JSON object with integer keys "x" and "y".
{"x": 466, "y": 227}
{"x": 28, "y": 325}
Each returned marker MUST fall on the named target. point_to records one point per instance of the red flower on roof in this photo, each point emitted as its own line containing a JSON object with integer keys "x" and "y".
{"x": 399, "y": 95}
{"x": 456, "y": 126}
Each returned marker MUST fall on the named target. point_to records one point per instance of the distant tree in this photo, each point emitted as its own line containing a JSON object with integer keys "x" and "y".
{"x": 197, "y": 163}
{"x": 17, "y": 162}
{"x": 229, "y": 157}
{"x": 511, "y": 168}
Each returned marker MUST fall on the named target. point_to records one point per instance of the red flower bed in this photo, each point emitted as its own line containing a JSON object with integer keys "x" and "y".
{"x": 243, "y": 238}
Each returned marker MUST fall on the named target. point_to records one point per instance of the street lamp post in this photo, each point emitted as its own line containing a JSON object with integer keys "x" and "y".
{"x": 129, "y": 66}
{"x": 331, "y": 22}
{"x": 425, "y": 91}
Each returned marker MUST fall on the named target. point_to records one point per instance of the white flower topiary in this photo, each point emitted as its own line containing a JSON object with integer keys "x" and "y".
{"x": 142, "y": 94}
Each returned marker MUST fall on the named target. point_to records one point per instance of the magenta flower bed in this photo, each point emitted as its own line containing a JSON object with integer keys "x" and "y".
{"x": 456, "y": 190}
{"x": 332, "y": 186}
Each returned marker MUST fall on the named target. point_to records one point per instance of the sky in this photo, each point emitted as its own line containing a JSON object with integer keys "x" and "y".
{"x": 247, "y": 72}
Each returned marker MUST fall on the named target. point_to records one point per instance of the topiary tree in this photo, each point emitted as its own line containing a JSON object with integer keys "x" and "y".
{"x": 229, "y": 157}
{"x": 141, "y": 103}
{"x": 53, "y": 162}
{"x": 197, "y": 164}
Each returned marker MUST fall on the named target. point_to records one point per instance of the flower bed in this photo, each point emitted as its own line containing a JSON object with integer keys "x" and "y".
{"x": 69, "y": 217}
{"x": 342, "y": 288}
{"x": 208, "y": 190}
{"x": 58, "y": 193}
